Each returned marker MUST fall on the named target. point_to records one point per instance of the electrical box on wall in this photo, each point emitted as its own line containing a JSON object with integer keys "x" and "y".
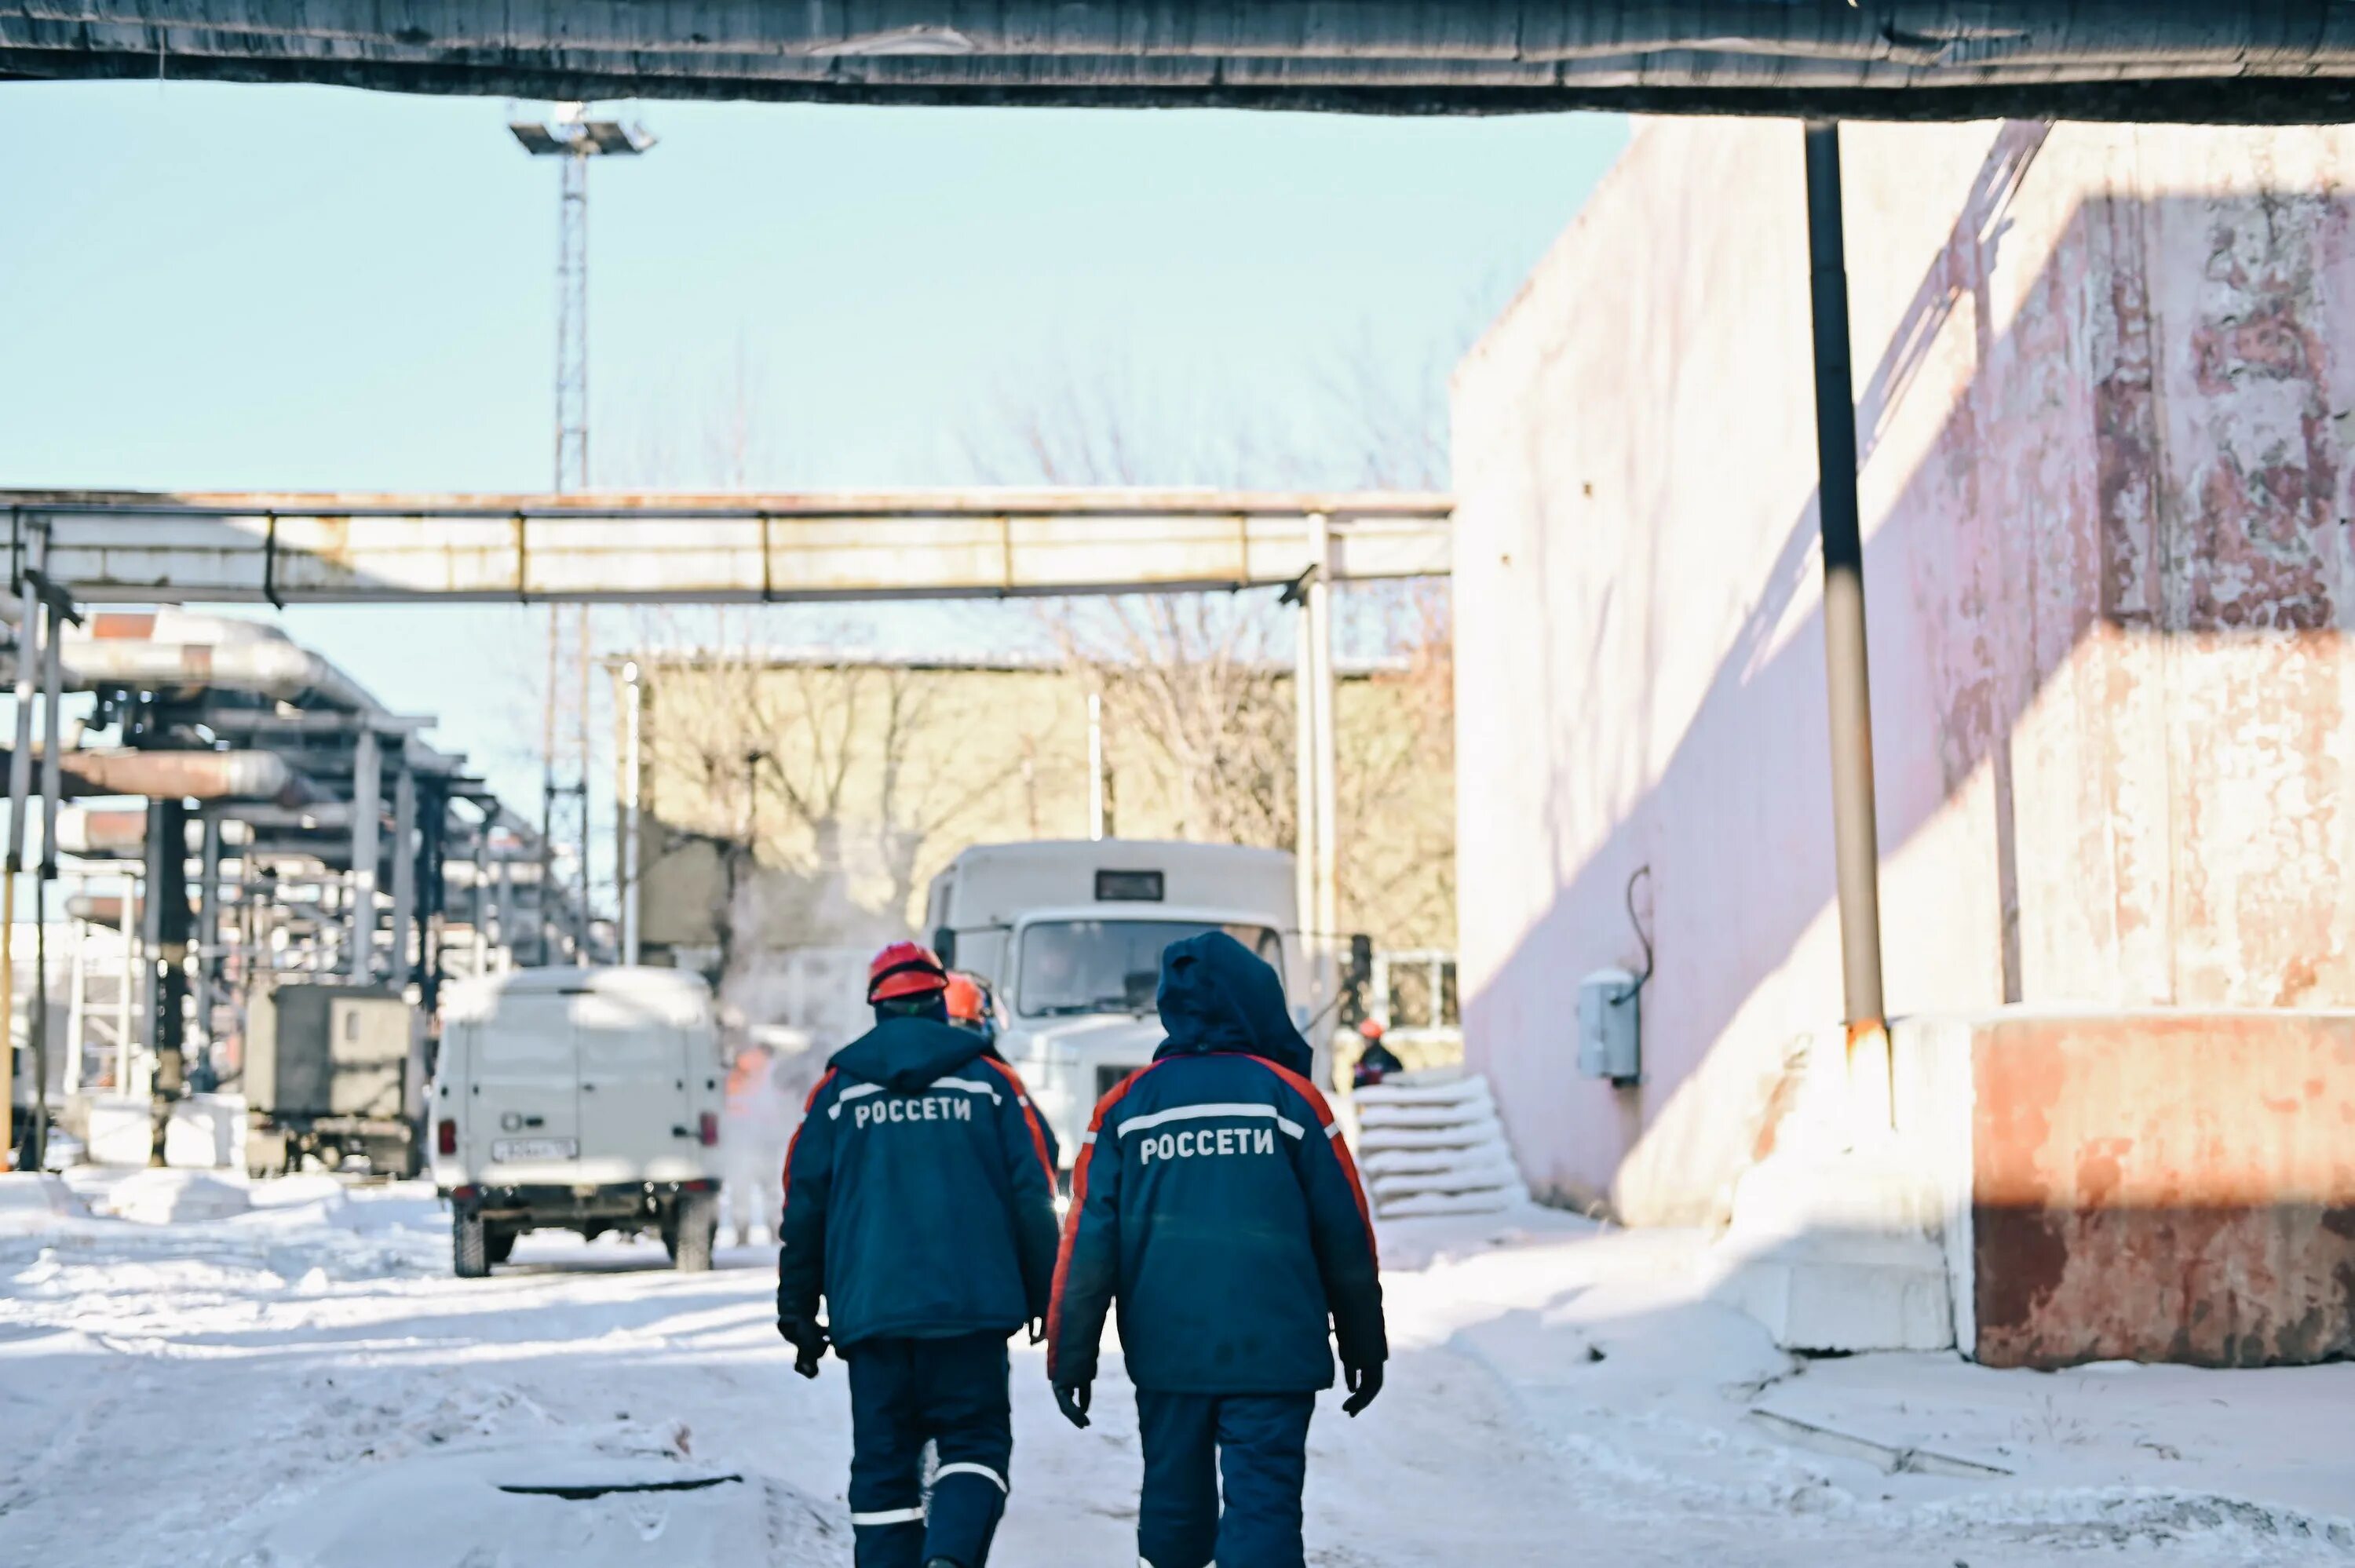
{"x": 1609, "y": 1044}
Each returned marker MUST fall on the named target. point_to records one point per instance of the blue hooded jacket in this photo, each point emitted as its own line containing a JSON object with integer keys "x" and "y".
{"x": 919, "y": 1194}
{"x": 1215, "y": 1199}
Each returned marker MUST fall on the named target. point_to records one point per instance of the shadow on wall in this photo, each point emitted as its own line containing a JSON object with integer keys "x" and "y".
{"x": 2106, "y": 615}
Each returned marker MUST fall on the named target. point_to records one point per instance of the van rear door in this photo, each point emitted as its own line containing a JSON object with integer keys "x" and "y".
{"x": 523, "y": 1118}
{"x": 637, "y": 1120}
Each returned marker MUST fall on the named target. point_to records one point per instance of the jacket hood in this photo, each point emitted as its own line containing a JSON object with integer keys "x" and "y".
{"x": 1217, "y": 995}
{"x": 908, "y": 1054}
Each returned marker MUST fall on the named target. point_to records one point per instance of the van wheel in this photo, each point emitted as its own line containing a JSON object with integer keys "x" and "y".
{"x": 469, "y": 1247}
{"x": 696, "y": 1225}
{"x": 499, "y": 1246}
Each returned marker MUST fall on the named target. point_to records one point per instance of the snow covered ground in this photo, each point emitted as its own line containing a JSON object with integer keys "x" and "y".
{"x": 286, "y": 1375}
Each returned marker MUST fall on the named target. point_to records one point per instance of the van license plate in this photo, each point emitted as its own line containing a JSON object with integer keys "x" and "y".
{"x": 513, "y": 1148}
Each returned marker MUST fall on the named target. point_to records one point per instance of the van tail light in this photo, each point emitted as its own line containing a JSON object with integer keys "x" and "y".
{"x": 445, "y": 1137}
{"x": 707, "y": 1129}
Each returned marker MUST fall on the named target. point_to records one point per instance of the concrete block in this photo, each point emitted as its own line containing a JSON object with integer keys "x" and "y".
{"x": 122, "y": 1130}
{"x": 1842, "y": 1293}
{"x": 1840, "y": 1252}
{"x": 206, "y": 1132}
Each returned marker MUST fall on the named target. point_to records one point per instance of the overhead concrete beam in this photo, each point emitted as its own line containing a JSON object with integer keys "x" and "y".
{"x": 325, "y": 549}
{"x": 2204, "y": 60}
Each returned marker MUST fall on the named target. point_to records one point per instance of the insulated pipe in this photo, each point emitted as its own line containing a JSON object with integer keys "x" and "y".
{"x": 92, "y": 834}
{"x": 191, "y": 775}
{"x": 268, "y": 666}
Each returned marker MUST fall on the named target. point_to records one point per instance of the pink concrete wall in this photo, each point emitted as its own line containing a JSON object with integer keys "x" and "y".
{"x": 2105, "y": 410}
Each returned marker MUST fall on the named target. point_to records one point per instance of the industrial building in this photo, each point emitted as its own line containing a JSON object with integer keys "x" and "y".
{"x": 2104, "y": 416}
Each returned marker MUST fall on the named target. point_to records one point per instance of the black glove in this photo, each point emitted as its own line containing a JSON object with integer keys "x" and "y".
{"x": 1072, "y": 1398}
{"x": 1364, "y": 1383}
{"x": 808, "y": 1339}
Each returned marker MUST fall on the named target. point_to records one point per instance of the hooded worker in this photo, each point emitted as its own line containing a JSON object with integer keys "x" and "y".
{"x": 920, "y": 1203}
{"x": 1215, "y": 1200}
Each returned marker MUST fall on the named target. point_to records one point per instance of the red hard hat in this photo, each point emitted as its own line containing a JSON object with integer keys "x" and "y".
{"x": 904, "y": 968}
{"x": 964, "y": 997}
{"x": 1371, "y": 1029}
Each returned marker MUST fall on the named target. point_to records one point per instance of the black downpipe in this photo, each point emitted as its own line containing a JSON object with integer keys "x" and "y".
{"x": 1855, "y": 831}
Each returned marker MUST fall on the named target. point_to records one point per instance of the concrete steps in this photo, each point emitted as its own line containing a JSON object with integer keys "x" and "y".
{"x": 1434, "y": 1147}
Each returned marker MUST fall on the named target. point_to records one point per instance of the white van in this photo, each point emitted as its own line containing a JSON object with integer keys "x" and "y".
{"x": 579, "y": 1099}
{"x": 1069, "y": 934}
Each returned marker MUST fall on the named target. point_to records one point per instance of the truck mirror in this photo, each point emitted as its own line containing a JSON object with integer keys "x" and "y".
{"x": 944, "y": 947}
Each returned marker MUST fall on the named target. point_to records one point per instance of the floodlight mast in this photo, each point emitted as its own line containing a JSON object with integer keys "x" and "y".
{"x": 575, "y": 138}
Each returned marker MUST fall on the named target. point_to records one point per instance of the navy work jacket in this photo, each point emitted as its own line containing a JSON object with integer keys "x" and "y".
{"x": 919, "y": 1194}
{"x": 1215, "y": 1200}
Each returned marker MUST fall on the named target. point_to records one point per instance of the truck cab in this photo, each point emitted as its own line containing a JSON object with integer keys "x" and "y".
{"x": 1069, "y": 934}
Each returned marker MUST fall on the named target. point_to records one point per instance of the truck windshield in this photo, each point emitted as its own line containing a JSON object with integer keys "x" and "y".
{"x": 1071, "y": 967}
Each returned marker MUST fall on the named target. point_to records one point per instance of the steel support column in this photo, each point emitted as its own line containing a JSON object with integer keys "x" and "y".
{"x": 1855, "y": 832}
{"x": 632, "y": 804}
{"x": 52, "y": 686}
{"x": 207, "y": 945}
{"x": 368, "y": 804}
{"x": 1304, "y": 771}
{"x": 404, "y": 873}
{"x": 20, "y": 786}
{"x": 433, "y": 894}
{"x": 165, "y": 922}
{"x": 481, "y": 911}
{"x": 1323, "y": 694}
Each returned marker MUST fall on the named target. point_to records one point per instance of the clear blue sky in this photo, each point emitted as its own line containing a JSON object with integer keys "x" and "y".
{"x": 295, "y": 288}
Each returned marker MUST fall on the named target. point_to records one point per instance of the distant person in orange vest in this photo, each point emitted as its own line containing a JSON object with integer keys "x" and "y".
{"x": 1377, "y": 1061}
{"x": 972, "y": 1007}
{"x": 752, "y": 1145}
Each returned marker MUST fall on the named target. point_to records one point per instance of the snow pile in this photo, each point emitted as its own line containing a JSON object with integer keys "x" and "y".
{"x": 176, "y": 1198}
{"x": 1610, "y": 1346}
{"x": 31, "y": 1200}
{"x": 304, "y": 1384}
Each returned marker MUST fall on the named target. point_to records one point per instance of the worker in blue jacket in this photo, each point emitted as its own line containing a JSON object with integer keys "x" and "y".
{"x": 919, "y": 1202}
{"x": 1214, "y": 1198}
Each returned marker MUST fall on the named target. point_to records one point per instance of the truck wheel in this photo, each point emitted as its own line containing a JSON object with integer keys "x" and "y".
{"x": 469, "y": 1247}
{"x": 499, "y": 1246}
{"x": 696, "y": 1225}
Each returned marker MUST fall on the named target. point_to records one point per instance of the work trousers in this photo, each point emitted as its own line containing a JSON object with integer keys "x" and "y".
{"x": 904, "y": 1394}
{"x": 1256, "y": 1444}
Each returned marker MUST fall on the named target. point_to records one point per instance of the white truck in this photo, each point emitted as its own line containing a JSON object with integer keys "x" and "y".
{"x": 580, "y": 1099}
{"x": 1069, "y": 934}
